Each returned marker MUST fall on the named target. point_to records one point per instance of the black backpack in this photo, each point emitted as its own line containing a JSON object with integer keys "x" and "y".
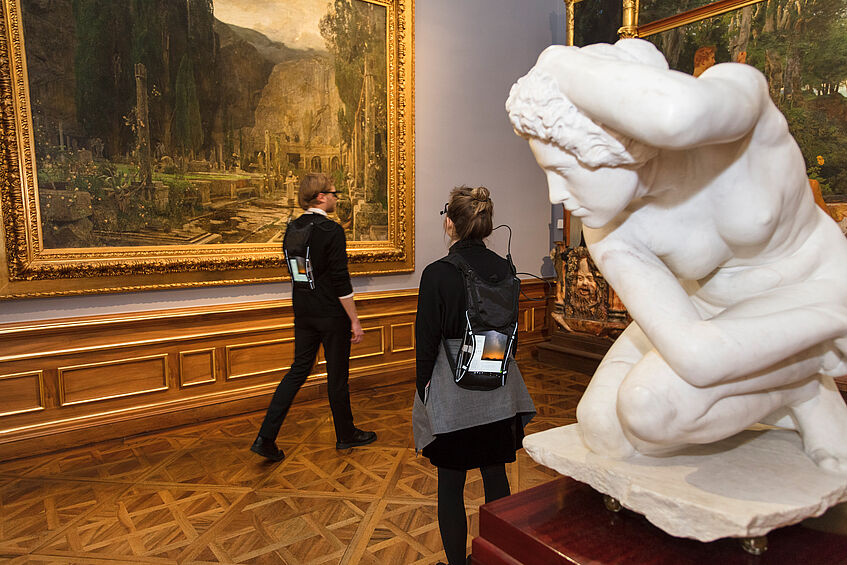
{"x": 491, "y": 325}
{"x": 298, "y": 256}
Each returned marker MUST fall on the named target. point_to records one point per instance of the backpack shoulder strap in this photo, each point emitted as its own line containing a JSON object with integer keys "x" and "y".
{"x": 464, "y": 267}
{"x": 324, "y": 223}
{"x": 297, "y": 237}
{"x": 457, "y": 261}
{"x": 451, "y": 357}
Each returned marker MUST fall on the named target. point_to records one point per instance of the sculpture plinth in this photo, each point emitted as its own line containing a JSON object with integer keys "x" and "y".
{"x": 743, "y": 486}
{"x": 564, "y": 522}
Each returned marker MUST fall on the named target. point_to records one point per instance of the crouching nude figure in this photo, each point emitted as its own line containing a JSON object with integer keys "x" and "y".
{"x": 696, "y": 208}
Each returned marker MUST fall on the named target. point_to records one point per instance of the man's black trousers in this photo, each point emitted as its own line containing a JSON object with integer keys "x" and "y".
{"x": 309, "y": 333}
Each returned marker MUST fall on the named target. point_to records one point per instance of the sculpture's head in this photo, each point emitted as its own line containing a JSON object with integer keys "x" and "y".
{"x": 591, "y": 169}
{"x": 539, "y": 110}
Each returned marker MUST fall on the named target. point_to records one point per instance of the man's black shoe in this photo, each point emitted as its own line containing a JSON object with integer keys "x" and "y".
{"x": 267, "y": 448}
{"x": 360, "y": 437}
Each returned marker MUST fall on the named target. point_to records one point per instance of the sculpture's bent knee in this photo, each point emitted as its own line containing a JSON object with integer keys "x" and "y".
{"x": 600, "y": 428}
{"x": 645, "y": 414}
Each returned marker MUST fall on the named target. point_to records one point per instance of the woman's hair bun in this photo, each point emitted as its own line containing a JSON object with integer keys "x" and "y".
{"x": 481, "y": 194}
{"x": 471, "y": 211}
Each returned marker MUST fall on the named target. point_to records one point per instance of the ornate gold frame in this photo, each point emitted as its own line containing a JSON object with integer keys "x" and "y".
{"x": 29, "y": 270}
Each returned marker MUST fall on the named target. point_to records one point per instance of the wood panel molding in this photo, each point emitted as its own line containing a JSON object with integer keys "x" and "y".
{"x": 97, "y": 382}
{"x": 402, "y": 337}
{"x": 259, "y": 357}
{"x": 73, "y": 381}
{"x": 22, "y": 392}
{"x": 197, "y": 367}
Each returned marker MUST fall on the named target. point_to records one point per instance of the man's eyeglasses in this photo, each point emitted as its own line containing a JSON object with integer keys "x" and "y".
{"x": 333, "y": 192}
{"x": 444, "y": 211}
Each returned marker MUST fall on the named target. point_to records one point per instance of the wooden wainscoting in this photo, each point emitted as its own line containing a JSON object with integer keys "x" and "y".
{"x": 74, "y": 381}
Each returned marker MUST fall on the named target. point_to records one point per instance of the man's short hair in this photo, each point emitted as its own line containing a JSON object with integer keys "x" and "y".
{"x": 538, "y": 109}
{"x": 312, "y": 185}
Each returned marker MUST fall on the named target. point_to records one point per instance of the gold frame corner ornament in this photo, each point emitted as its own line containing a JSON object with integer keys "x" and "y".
{"x": 28, "y": 270}
{"x": 629, "y": 25}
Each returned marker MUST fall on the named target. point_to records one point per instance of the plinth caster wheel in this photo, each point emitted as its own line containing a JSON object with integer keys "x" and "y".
{"x": 611, "y": 503}
{"x": 755, "y": 546}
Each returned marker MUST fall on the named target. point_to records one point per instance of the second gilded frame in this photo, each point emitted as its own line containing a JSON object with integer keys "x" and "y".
{"x": 798, "y": 47}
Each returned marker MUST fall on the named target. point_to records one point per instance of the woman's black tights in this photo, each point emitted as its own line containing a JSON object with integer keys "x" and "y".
{"x": 452, "y": 521}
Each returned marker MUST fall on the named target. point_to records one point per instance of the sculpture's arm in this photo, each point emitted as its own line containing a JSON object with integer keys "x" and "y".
{"x": 721, "y": 349}
{"x": 662, "y": 108}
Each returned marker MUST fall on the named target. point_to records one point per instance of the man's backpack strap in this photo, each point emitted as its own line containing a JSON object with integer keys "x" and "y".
{"x": 296, "y": 246}
{"x": 297, "y": 238}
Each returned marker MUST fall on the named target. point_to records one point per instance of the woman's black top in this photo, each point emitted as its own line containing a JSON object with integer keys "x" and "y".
{"x": 441, "y": 312}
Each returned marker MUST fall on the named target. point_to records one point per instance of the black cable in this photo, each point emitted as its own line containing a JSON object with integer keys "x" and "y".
{"x": 508, "y": 246}
{"x": 509, "y": 258}
{"x": 550, "y": 284}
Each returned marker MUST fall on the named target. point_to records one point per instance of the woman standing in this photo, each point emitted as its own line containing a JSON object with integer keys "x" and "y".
{"x": 489, "y": 439}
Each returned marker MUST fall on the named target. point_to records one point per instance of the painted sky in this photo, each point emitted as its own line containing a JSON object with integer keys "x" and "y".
{"x": 293, "y": 22}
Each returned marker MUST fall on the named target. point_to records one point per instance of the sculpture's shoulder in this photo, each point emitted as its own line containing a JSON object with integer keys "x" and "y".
{"x": 747, "y": 90}
{"x": 739, "y": 75}
{"x": 739, "y": 88}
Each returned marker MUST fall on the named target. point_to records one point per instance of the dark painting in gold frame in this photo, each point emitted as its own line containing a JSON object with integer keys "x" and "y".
{"x": 173, "y": 198}
{"x": 801, "y": 49}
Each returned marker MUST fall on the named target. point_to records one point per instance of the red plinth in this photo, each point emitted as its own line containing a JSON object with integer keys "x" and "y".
{"x": 565, "y": 521}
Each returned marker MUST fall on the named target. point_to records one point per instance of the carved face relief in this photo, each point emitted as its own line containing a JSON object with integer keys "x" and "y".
{"x": 586, "y": 286}
{"x": 595, "y": 196}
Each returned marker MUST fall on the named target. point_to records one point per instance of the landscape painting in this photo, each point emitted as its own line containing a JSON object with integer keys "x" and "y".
{"x": 161, "y": 122}
{"x": 801, "y": 47}
{"x": 178, "y": 131}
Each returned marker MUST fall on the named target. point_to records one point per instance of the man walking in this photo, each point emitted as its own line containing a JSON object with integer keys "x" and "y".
{"x": 324, "y": 313}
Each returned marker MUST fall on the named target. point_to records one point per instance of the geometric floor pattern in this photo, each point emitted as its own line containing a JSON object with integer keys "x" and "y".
{"x": 197, "y": 495}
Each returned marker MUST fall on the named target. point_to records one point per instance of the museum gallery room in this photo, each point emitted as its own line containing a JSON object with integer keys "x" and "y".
{"x": 433, "y": 282}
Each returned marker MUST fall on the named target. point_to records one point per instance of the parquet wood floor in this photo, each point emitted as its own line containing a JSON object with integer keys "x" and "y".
{"x": 197, "y": 495}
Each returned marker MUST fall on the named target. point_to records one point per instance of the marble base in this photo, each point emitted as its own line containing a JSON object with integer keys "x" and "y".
{"x": 743, "y": 486}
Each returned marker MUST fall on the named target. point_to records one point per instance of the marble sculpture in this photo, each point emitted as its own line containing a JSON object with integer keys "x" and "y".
{"x": 696, "y": 208}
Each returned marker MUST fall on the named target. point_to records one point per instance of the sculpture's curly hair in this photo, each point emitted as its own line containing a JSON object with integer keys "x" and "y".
{"x": 538, "y": 109}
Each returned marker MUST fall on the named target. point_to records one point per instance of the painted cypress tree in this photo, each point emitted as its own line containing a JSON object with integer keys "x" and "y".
{"x": 103, "y": 72}
{"x": 147, "y": 47}
{"x": 187, "y": 127}
{"x": 203, "y": 47}
{"x": 355, "y": 35}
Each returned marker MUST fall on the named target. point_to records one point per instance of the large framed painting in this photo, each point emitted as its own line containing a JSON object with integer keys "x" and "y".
{"x": 153, "y": 144}
{"x": 799, "y": 45}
